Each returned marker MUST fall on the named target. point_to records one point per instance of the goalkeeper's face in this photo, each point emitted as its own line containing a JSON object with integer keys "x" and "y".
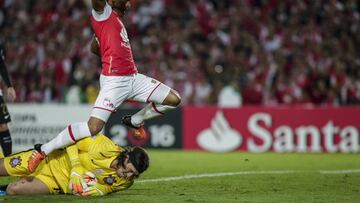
{"x": 127, "y": 170}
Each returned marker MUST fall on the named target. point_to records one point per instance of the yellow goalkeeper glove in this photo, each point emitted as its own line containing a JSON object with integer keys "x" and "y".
{"x": 94, "y": 190}
{"x": 77, "y": 183}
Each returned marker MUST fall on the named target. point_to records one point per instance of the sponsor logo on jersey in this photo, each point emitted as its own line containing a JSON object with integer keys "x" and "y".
{"x": 107, "y": 103}
{"x": 109, "y": 180}
{"x": 16, "y": 161}
{"x": 98, "y": 171}
{"x": 125, "y": 39}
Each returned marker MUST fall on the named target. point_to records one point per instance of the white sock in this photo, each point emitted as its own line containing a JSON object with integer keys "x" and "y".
{"x": 151, "y": 110}
{"x": 67, "y": 137}
{"x": 138, "y": 118}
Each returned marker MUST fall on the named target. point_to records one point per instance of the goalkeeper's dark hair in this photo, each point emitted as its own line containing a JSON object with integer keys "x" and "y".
{"x": 137, "y": 156}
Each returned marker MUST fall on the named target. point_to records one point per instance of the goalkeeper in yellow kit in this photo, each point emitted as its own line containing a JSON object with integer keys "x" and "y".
{"x": 91, "y": 167}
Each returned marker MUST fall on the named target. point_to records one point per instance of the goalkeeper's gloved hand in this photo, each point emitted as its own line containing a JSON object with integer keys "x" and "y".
{"x": 77, "y": 183}
{"x": 94, "y": 190}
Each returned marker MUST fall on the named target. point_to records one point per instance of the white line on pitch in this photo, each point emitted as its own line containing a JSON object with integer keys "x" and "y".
{"x": 207, "y": 175}
{"x": 341, "y": 171}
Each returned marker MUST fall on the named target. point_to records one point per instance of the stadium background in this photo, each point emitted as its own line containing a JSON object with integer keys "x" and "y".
{"x": 254, "y": 76}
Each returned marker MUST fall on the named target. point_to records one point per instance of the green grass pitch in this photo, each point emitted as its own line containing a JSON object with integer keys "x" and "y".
{"x": 234, "y": 177}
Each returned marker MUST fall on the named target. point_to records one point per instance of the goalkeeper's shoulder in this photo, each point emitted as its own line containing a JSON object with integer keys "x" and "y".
{"x": 103, "y": 148}
{"x": 102, "y": 138}
{"x": 97, "y": 143}
{"x": 105, "y": 144}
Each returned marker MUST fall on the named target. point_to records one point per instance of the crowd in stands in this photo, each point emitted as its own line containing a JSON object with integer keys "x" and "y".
{"x": 228, "y": 52}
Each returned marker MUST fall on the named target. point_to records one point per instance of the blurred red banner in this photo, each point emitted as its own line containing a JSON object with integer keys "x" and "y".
{"x": 256, "y": 129}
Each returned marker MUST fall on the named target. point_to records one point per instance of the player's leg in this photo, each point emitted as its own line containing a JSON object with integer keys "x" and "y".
{"x": 68, "y": 136}
{"x": 77, "y": 131}
{"x": 40, "y": 182}
{"x": 5, "y": 138}
{"x": 157, "y": 106}
{"x": 27, "y": 186}
{"x": 160, "y": 106}
{"x": 72, "y": 133}
{"x": 16, "y": 164}
{"x": 160, "y": 98}
{"x": 3, "y": 171}
{"x": 113, "y": 92}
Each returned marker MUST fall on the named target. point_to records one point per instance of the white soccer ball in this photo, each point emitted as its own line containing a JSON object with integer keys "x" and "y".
{"x": 90, "y": 179}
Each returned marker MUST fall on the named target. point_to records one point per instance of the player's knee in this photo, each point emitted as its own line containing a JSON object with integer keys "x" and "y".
{"x": 95, "y": 126}
{"x": 13, "y": 189}
{"x": 173, "y": 99}
{"x": 95, "y": 129}
{"x": 3, "y": 127}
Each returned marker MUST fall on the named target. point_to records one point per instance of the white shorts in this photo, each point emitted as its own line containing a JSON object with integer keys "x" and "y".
{"x": 114, "y": 90}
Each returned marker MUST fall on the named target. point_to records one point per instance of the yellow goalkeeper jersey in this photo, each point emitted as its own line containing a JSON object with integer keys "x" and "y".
{"x": 96, "y": 155}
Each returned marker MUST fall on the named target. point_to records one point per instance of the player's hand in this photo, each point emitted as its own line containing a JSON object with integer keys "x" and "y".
{"x": 90, "y": 179}
{"x": 11, "y": 94}
{"x": 94, "y": 190}
{"x": 77, "y": 183}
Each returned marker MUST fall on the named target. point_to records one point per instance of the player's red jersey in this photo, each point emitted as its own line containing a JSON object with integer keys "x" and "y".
{"x": 115, "y": 50}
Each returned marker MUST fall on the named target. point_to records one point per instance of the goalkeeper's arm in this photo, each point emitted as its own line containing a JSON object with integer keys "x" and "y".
{"x": 94, "y": 188}
{"x": 76, "y": 180}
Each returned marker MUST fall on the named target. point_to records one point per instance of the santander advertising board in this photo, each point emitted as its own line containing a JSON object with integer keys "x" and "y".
{"x": 280, "y": 130}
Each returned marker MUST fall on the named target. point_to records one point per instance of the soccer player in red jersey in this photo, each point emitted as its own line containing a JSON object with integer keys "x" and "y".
{"x": 119, "y": 81}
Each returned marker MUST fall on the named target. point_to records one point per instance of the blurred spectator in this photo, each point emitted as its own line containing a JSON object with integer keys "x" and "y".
{"x": 230, "y": 96}
{"x": 74, "y": 95}
{"x": 281, "y": 52}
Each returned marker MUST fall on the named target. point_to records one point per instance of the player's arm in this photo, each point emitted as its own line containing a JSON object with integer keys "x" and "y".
{"x": 5, "y": 76}
{"x": 95, "y": 48}
{"x": 76, "y": 180}
{"x": 98, "y": 5}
